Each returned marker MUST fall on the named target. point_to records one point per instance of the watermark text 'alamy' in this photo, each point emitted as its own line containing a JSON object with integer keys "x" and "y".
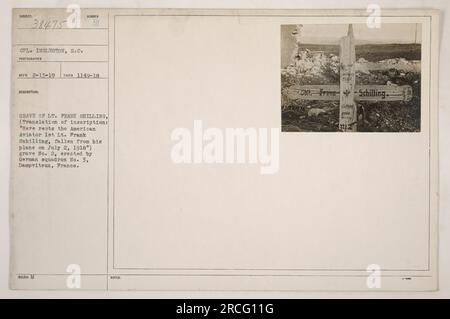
{"x": 227, "y": 146}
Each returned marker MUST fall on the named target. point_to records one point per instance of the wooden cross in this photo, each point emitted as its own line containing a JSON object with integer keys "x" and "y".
{"x": 348, "y": 116}
{"x": 347, "y": 92}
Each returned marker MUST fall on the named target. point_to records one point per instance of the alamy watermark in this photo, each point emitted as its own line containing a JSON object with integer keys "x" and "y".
{"x": 73, "y": 280}
{"x": 374, "y": 18}
{"x": 212, "y": 145}
{"x": 73, "y": 21}
{"x": 373, "y": 280}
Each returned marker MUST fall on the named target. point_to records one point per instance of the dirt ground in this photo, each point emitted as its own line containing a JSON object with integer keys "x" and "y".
{"x": 372, "y": 116}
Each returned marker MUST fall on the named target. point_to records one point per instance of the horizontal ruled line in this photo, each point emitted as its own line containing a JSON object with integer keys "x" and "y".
{"x": 31, "y": 61}
{"x": 235, "y": 275}
{"x": 62, "y": 78}
{"x": 53, "y": 29}
{"x": 62, "y": 45}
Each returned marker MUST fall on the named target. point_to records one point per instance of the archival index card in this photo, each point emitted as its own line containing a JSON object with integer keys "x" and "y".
{"x": 224, "y": 150}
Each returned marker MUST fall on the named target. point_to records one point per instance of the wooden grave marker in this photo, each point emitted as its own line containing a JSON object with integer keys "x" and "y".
{"x": 347, "y": 93}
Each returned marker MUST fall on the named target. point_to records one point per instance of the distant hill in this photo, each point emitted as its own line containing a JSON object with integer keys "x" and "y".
{"x": 374, "y": 52}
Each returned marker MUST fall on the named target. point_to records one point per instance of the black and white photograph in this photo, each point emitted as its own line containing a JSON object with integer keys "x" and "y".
{"x": 351, "y": 77}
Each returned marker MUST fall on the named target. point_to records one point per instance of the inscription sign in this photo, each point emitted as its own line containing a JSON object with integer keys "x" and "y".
{"x": 361, "y": 93}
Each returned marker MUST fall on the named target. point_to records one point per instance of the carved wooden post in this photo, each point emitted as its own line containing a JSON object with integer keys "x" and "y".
{"x": 347, "y": 108}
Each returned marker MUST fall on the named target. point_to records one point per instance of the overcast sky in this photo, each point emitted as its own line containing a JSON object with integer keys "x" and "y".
{"x": 388, "y": 33}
